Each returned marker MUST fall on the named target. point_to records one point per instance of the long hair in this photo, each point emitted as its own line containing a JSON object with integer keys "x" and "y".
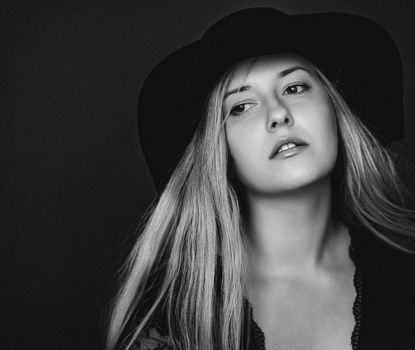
{"x": 189, "y": 257}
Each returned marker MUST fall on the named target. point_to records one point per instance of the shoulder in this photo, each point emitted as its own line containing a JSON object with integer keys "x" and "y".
{"x": 390, "y": 271}
{"x": 388, "y": 274}
{"x": 387, "y": 292}
{"x": 379, "y": 257}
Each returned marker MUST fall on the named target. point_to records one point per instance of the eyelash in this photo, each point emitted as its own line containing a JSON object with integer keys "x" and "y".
{"x": 232, "y": 112}
{"x": 304, "y": 86}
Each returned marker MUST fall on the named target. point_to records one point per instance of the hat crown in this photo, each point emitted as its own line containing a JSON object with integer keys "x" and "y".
{"x": 244, "y": 18}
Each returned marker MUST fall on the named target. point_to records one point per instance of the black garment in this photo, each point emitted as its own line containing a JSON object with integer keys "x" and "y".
{"x": 384, "y": 308}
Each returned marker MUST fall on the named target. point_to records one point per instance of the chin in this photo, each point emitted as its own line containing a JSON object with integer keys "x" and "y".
{"x": 296, "y": 181}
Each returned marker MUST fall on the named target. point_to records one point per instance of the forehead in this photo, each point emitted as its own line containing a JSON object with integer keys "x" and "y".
{"x": 265, "y": 65}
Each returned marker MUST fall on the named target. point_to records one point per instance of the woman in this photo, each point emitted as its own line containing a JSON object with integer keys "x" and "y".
{"x": 281, "y": 221}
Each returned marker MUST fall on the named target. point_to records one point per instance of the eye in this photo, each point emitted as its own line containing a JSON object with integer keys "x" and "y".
{"x": 295, "y": 89}
{"x": 240, "y": 109}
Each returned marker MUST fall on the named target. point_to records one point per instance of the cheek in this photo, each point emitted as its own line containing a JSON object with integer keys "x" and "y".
{"x": 325, "y": 135}
{"x": 330, "y": 124}
{"x": 243, "y": 145}
{"x": 322, "y": 120}
{"x": 238, "y": 143}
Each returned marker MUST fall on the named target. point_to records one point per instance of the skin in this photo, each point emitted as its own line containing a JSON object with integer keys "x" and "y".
{"x": 300, "y": 270}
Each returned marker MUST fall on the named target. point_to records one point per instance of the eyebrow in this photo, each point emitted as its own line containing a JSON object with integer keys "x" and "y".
{"x": 280, "y": 75}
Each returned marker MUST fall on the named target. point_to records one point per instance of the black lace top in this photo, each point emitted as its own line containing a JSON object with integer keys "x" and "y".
{"x": 384, "y": 308}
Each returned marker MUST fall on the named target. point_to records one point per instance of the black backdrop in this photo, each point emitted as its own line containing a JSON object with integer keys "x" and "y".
{"x": 73, "y": 179}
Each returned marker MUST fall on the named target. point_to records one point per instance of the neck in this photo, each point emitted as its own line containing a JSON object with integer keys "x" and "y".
{"x": 291, "y": 233}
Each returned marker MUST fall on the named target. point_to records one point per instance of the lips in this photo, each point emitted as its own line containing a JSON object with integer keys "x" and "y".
{"x": 295, "y": 140}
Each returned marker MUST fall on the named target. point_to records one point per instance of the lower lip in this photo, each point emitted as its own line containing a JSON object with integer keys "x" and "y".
{"x": 290, "y": 152}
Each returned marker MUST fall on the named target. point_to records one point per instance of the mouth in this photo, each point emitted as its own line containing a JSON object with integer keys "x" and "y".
{"x": 290, "y": 152}
{"x": 288, "y": 146}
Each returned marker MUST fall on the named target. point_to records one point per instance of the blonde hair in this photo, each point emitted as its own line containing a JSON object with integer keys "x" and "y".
{"x": 189, "y": 258}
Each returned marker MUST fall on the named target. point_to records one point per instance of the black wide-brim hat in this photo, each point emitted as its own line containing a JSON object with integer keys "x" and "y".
{"x": 354, "y": 52}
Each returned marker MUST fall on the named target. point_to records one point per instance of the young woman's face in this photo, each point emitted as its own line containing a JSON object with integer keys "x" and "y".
{"x": 277, "y": 97}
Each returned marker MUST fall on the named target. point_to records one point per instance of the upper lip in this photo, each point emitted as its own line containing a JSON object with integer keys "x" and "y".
{"x": 286, "y": 140}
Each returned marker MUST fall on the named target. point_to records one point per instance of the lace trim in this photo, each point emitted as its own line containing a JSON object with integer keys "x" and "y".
{"x": 258, "y": 334}
{"x": 357, "y": 305}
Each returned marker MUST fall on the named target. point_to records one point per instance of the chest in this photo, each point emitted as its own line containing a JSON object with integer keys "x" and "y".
{"x": 303, "y": 317}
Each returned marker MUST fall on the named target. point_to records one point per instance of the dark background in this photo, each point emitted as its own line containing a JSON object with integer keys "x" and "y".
{"x": 73, "y": 179}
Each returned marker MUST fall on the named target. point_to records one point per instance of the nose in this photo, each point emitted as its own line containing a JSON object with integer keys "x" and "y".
{"x": 278, "y": 115}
